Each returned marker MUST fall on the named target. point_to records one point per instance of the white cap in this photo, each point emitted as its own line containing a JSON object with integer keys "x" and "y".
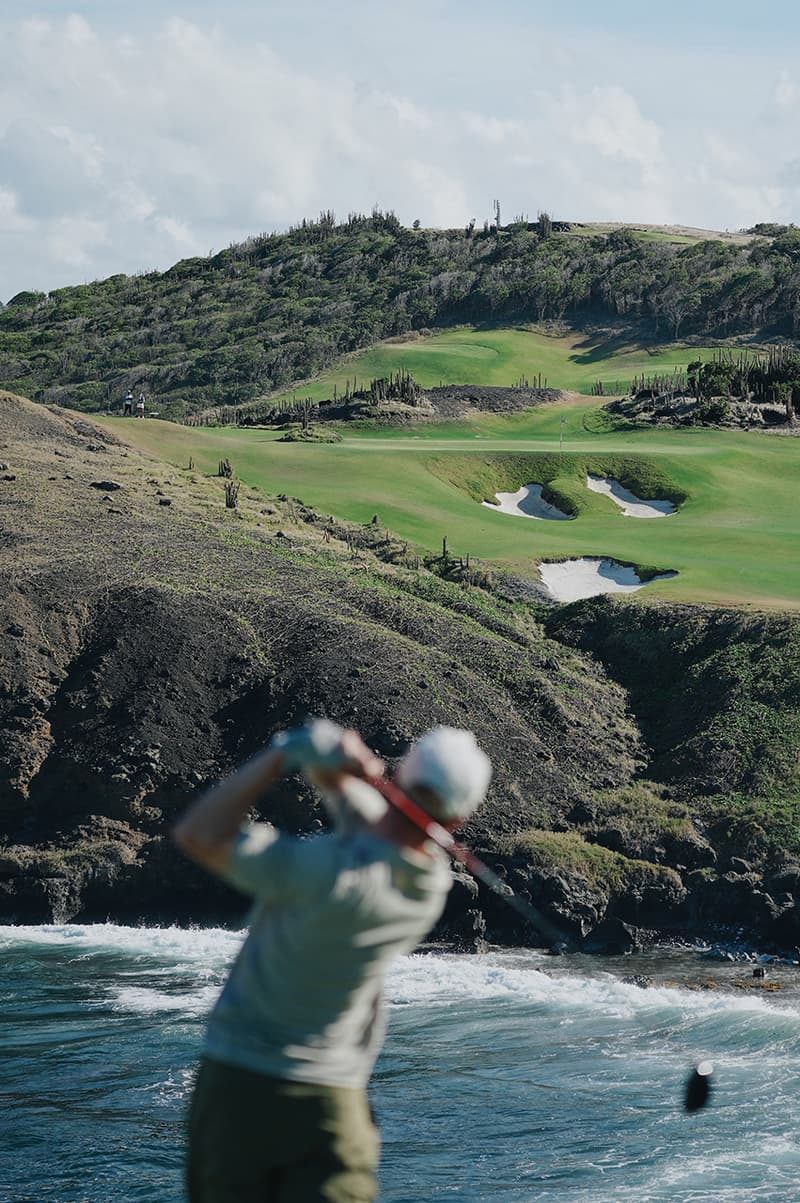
{"x": 448, "y": 762}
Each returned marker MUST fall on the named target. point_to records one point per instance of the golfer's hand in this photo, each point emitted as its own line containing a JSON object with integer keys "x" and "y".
{"x": 359, "y": 761}
{"x": 324, "y": 751}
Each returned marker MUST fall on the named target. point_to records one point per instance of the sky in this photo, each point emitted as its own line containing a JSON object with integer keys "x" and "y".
{"x": 134, "y": 135}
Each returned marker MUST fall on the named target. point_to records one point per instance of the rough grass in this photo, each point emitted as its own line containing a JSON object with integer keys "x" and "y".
{"x": 679, "y": 235}
{"x": 315, "y": 434}
{"x": 317, "y": 610}
{"x": 646, "y": 812}
{"x": 767, "y": 829}
{"x": 716, "y": 694}
{"x": 641, "y": 820}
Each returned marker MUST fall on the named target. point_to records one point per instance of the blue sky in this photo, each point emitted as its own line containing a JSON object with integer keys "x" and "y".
{"x": 132, "y": 135}
{"x": 731, "y": 22}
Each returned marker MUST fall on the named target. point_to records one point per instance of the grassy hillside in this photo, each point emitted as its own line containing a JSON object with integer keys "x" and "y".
{"x": 734, "y": 539}
{"x": 648, "y": 232}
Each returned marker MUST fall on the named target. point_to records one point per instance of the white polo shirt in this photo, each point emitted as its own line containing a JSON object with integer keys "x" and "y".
{"x": 304, "y": 998}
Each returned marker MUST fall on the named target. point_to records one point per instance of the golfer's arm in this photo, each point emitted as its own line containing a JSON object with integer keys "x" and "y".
{"x": 206, "y": 832}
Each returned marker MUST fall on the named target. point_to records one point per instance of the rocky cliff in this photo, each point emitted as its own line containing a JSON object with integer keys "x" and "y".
{"x": 151, "y": 638}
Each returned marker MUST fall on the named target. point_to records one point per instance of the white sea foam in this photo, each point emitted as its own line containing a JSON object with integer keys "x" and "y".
{"x": 198, "y": 959}
{"x": 435, "y": 980}
{"x": 567, "y": 1082}
{"x": 176, "y": 945}
{"x": 145, "y": 1000}
{"x": 176, "y": 1086}
{"x": 631, "y": 505}
{"x": 774, "y": 1161}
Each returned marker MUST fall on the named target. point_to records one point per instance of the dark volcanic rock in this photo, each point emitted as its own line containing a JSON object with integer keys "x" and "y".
{"x": 614, "y": 937}
{"x": 455, "y": 400}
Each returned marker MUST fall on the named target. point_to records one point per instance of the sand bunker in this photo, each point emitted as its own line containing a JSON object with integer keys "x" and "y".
{"x": 572, "y": 580}
{"x": 528, "y": 502}
{"x": 631, "y": 505}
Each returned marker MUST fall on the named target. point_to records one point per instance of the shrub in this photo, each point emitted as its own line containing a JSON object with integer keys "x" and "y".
{"x": 568, "y": 851}
{"x": 712, "y": 412}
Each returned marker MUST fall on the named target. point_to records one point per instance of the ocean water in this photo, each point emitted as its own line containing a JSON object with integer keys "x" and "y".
{"x": 507, "y": 1077}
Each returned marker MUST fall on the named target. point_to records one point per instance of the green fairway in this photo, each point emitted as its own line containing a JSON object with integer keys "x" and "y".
{"x": 734, "y": 540}
{"x": 504, "y": 357}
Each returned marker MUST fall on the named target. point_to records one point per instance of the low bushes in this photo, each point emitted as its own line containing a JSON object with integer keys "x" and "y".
{"x": 568, "y": 851}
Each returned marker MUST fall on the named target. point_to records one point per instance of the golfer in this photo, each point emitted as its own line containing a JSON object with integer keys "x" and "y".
{"x": 280, "y": 1109}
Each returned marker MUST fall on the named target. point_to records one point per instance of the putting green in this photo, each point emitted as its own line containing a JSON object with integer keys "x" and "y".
{"x": 735, "y": 540}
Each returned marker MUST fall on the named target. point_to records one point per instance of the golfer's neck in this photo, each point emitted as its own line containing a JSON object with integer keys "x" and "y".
{"x": 401, "y": 831}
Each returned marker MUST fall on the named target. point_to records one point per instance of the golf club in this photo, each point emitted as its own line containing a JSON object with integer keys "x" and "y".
{"x": 698, "y": 1086}
{"x": 445, "y": 840}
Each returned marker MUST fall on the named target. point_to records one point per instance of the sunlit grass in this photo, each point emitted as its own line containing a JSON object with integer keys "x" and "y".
{"x": 735, "y": 540}
{"x": 503, "y": 357}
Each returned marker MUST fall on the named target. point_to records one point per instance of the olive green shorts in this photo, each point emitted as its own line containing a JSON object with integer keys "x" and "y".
{"x": 254, "y": 1139}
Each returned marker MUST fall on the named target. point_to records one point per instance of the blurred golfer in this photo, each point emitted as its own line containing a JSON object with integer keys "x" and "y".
{"x": 280, "y": 1109}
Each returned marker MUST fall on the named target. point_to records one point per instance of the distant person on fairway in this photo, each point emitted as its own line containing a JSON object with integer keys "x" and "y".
{"x": 140, "y": 406}
{"x": 127, "y": 408}
{"x": 280, "y": 1109}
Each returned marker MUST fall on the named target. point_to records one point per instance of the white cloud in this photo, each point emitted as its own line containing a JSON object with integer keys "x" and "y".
{"x": 790, "y": 175}
{"x": 71, "y": 240}
{"x": 748, "y": 202}
{"x": 440, "y": 196}
{"x": 609, "y": 119}
{"x": 405, "y": 110}
{"x": 491, "y": 129}
{"x": 34, "y": 30}
{"x": 786, "y": 93}
{"x": 180, "y": 233}
{"x": 131, "y": 203}
{"x": 127, "y": 144}
{"x": 84, "y": 147}
{"x": 727, "y": 155}
{"x": 11, "y": 219}
{"x": 78, "y": 31}
{"x": 162, "y": 145}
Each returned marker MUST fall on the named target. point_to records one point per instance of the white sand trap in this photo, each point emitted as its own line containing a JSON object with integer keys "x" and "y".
{"x": 631, "y": 505}
{"x": 572, "y": 580}
{"x": 528, "y": 502}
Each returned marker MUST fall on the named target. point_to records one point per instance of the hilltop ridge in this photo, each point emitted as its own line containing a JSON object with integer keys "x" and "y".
{"x": 281, "y": 308}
